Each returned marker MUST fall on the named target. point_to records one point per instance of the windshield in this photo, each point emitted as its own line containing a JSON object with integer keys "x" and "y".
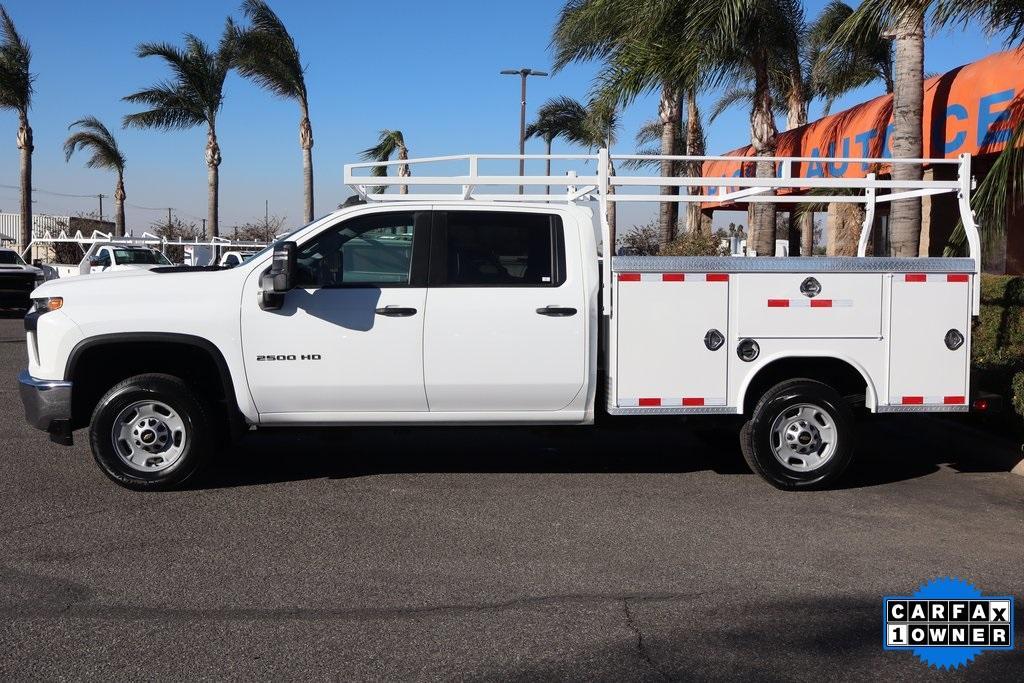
{"x": 282, "y": 238}
{"x": 139, "y": 257}
{"x": 10, "y": 258}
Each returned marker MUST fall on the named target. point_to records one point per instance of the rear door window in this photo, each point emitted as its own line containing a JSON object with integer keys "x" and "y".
{"x": 497, "y": 249}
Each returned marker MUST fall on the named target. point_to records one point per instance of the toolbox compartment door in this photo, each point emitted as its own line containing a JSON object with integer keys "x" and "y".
{"x": 846, "y": 305}
{"x": 923, "y": 370}
{"x": 662, "y": 358}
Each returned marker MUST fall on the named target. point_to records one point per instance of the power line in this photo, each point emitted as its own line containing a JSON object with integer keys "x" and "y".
{"x": 147, "y": 208}
{"x": 51, "y": 192}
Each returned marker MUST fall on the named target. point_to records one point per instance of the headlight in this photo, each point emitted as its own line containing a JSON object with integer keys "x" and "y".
{"x": 47, "y": 304}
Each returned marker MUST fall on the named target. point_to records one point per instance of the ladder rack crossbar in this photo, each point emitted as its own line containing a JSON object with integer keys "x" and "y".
{"x": 603, "y": 180}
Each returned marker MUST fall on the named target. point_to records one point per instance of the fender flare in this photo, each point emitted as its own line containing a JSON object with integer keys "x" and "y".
{"x": 871, "y": 398}
{"x": 208, "y": 347}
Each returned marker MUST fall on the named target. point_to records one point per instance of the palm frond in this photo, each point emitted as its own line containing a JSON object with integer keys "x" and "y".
{"x": 648, "y": 133}
{"x": 644, "y": 163}
{"x": 998, "y": 195}
{"x": 996, "y": 16}
{"x": 389, "y": 142}
{"x": 195, "y": 92}
{"x": 733, "y": 95}
{"x": 267, "y": 54}
{"x": 93, "y": 136}
{"x": 837, "y": 67}
{"x": 16, "y": 77}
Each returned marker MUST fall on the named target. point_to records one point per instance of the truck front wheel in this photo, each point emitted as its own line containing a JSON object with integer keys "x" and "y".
{"x": 150, "y": 432}
{"x": 799, "y": 436}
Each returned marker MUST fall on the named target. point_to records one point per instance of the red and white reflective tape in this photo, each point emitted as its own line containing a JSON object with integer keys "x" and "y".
{"x": 810, "y": 303}
{"x": 929, "y": 400}
{"x": 932, "y": 277}
{"x": 673, "y": 277}
{"x": 670, "y": 402}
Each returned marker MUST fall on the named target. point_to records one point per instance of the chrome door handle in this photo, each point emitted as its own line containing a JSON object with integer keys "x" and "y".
{"x": 396, "y": 311}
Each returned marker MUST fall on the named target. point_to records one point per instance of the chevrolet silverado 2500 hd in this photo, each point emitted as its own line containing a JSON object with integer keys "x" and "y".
{"x": 479, "y": 308}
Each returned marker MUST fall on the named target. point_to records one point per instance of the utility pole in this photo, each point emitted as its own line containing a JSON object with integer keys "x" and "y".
{"x": 204, "y": 228}
{"x": 168, "y": 218}
{"x": 100, "y": 197}
{"x": 523, "y": 73}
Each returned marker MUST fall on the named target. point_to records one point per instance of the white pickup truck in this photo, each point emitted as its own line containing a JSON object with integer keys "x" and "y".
{"x": 496, "y": 309}
{"x": 106, "y": 257}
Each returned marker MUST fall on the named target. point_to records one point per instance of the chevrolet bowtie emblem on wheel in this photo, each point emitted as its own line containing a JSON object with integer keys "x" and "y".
{"x": 947, "y": 623}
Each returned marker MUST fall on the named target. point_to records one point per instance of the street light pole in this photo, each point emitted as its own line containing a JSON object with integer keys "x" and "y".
{"x": 523, "y": 73}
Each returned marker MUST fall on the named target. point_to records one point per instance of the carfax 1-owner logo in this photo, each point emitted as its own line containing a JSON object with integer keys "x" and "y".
{"x": 947, "y": 623}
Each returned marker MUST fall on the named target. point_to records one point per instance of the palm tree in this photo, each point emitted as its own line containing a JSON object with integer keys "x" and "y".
{"x": 1003, "y": 187}
{"x": 193, "y": 97}
{"x": 16, "y": 94}
{"x": 905, "y": 21}
{"x": 750, "y": 41}
{"x": 838, "y": 69}
{"x": 93, "y": 136}
{"x": 551, "y": 123}
{"x": 389, "y": 143}
{"x": 640, "y": 42}
{"x": 267, "y": 55}
{"x": 593, "y": 126}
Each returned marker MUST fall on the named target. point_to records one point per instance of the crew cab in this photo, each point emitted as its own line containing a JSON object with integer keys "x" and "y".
{"x": 503, "y": 309}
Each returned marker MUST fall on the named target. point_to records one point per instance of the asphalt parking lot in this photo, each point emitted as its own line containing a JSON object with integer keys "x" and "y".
{"x": 640, "y": 550}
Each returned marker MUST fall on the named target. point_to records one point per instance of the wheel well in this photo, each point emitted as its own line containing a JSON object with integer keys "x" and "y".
{"x": 838, "y": 374}
{"x": 93, "y": 370}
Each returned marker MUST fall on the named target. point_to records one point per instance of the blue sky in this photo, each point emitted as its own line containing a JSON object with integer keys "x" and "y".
{"x": 427, "y": 68}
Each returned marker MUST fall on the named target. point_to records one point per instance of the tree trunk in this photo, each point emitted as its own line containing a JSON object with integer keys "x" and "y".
{"x": 669, "y": 112}
{"x": 801, "y": 223}
{"x": 403, "y": 169}
{"x": 694, "y": 169}
{"x": 907, "y": 103}
{"x": 805, "y": 226}
{"x": 306, "y": 141}
{"x": 119, "y": 197}
{"x": 213, "y": 160}
{"x": 763, "y": 134}
{"x": 844, "y": 226}
{"x": 25, "y": 145}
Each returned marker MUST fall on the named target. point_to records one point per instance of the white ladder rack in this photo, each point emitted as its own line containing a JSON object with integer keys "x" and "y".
{"x": 604, "y": 187}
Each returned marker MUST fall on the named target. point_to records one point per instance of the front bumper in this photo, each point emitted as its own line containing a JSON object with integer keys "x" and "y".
{"x": 47, "y": 405}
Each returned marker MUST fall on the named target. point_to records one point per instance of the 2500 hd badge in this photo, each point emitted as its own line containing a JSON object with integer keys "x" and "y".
{"x": 291, "y": 356}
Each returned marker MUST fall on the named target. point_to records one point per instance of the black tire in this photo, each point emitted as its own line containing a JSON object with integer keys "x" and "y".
{"x": 759, "y": 442}
{"x": 194, "y": 414}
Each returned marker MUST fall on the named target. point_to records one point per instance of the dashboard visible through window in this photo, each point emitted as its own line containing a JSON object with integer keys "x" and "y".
{"x": 367, "y": 251}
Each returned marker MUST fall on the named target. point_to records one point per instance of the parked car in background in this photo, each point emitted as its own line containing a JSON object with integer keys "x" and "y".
{"x": 17, "y": 280}
{"x": 102, "y": 258}
{"x": 230, "y": 259}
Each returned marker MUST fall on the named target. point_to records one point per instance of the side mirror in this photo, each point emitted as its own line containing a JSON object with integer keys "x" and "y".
{"x": 37, "y": 263}
{"x": 95, "y": 262}
{"x": 280, "y": 278}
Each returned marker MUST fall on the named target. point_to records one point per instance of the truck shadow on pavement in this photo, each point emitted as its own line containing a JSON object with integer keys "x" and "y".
{"x": 889, "y": 451}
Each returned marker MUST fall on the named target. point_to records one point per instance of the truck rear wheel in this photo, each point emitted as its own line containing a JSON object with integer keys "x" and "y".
{"x": 799, "y": 436}
{"x": 150, "y": 432}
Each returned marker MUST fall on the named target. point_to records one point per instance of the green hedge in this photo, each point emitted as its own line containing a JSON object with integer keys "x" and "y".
{"x": 998, "y": 341}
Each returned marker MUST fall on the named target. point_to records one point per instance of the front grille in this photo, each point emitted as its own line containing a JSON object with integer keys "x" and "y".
{"x": 17, "y": 282}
